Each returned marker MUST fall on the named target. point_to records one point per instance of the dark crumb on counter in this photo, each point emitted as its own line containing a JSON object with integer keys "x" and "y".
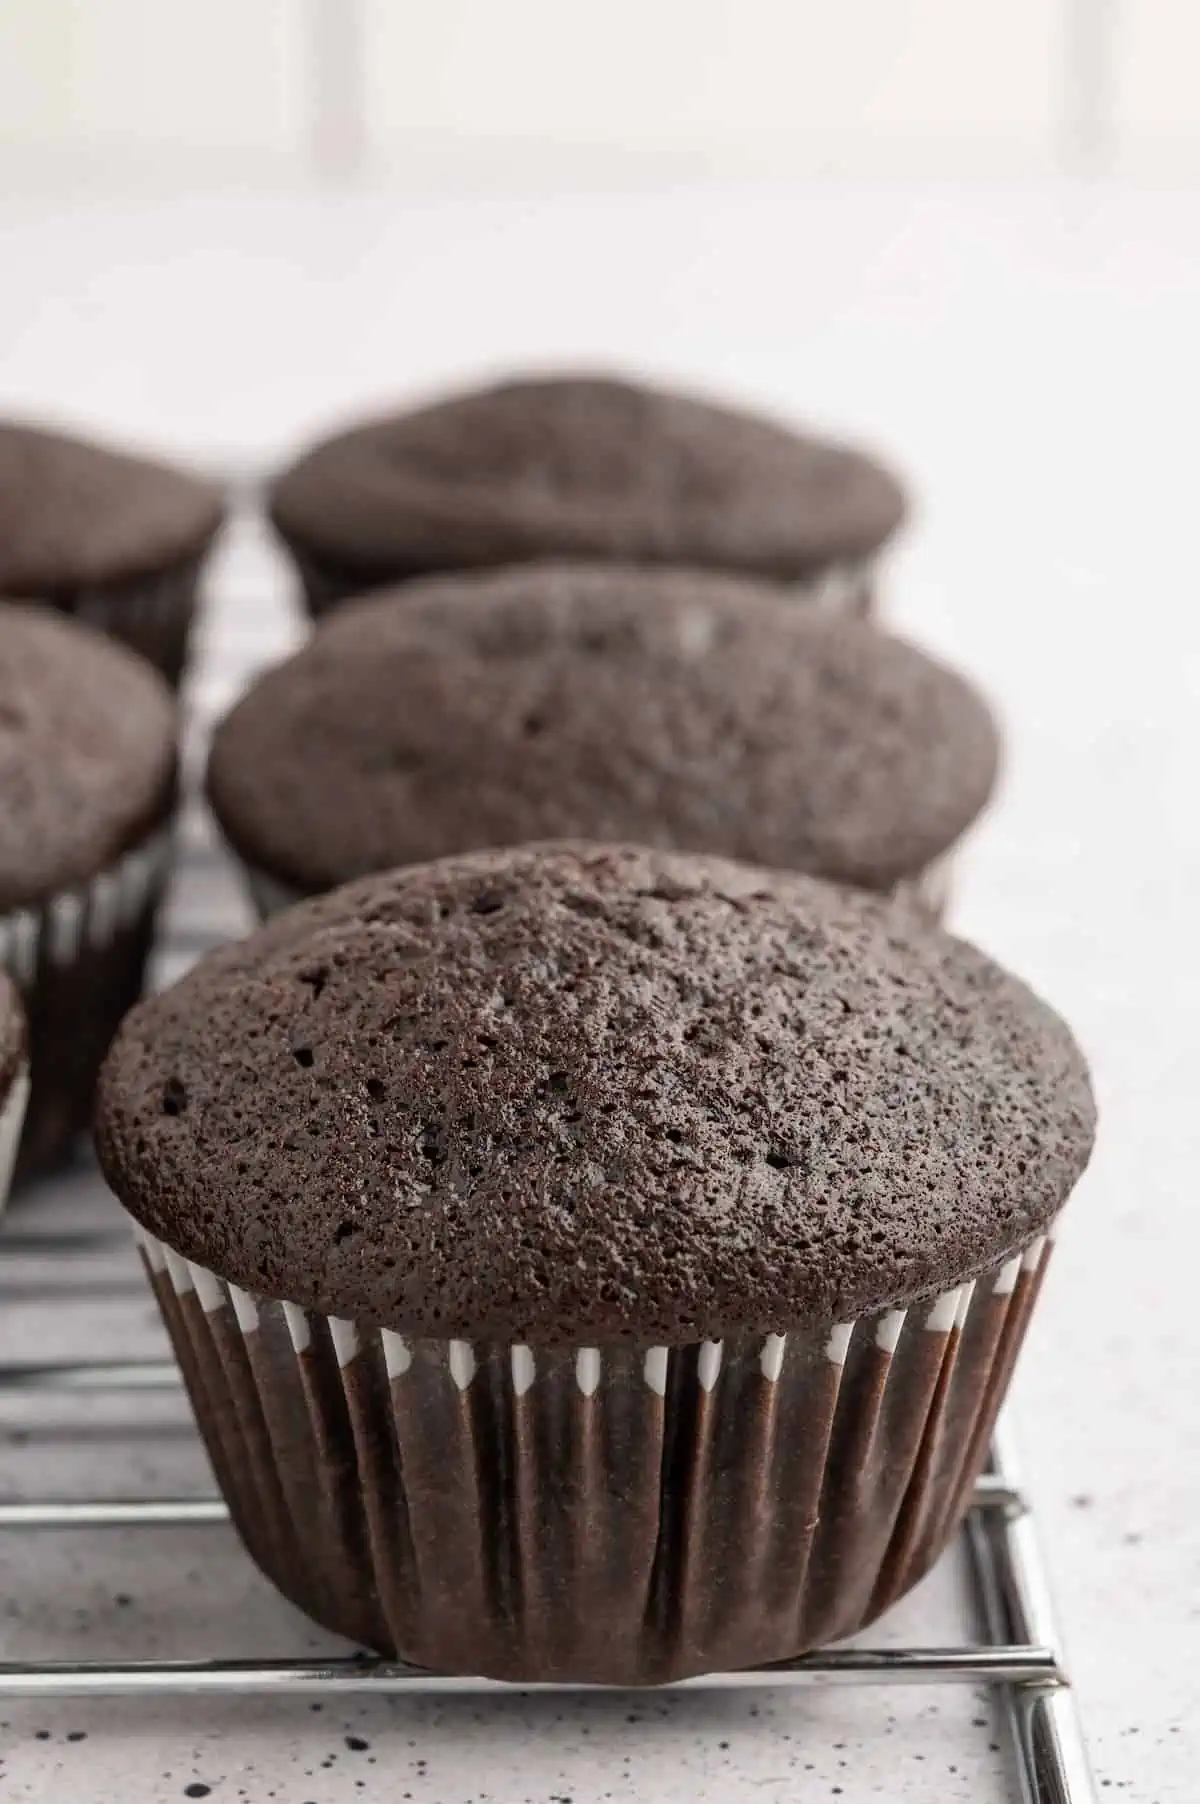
{"x": 357, "y": 1744}
{"x": 122, "y": 1600}
{"x": 1082, "y": 1502}
{"x": 76, "y": 1734}
{"x": 197, "y": 1790}
{"x": 41, "y": 1735}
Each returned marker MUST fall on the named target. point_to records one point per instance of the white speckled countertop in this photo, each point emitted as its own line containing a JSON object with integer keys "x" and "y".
{"x": 1031, "y": 357}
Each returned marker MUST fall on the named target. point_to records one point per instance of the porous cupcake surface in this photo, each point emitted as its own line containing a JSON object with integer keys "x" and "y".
{"x": 583, "y": 467}
{"x": 13, "y": 1035}
{"x": 672, "y": 709}
{"x": 87, "y": 753}
{"x": 74, "y": 513}
{"x": 586, "y": 1094}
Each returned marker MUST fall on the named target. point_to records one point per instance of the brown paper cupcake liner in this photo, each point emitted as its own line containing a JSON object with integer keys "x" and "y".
{"x": 848, "y": 586}
{"x": 78, "y": 961}
{"x": 933, "y": 889}
{"x": 623, "y": 1515}
{"x": 12, "y": 1114}
{"x": 151, "y": 614}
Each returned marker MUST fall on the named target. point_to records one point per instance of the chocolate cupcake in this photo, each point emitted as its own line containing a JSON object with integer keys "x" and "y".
{"x": 87, "y": 777}
{"x": 665, "y": 708}
{"x": 111, "y": 539}
{"x": 595, "y": 1264}
{"x": 14, "y": 1079}
{"x": 584, "y": 468}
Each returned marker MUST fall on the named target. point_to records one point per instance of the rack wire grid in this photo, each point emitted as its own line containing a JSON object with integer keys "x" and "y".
{"x": 1017, "y": 1653}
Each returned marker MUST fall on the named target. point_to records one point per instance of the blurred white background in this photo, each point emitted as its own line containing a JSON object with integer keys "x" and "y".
{"x": 166, "y": 90}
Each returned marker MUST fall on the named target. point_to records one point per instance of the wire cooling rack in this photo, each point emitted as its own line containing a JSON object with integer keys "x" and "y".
{"x": 1017, "y": 1653}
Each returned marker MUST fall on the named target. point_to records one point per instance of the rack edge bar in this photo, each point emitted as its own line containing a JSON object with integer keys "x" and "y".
{"x": 1042, "y": 1720}
{"x": 1024, "y": 1666}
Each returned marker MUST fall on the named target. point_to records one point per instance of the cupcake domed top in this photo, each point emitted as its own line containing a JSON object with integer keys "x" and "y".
{"x": 584, "y": 1093}
{"x": 74, "y": 513}
{"x": 589, "y": 467}
{"x": 665, "y": 708}
{"x": 87, "y": 753}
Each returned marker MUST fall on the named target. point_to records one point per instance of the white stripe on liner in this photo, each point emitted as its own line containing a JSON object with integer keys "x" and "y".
{"x": 244, "y": 1308}
{"x": 838, "y": 587}
{"x": 156, "y": 1253}
{"x": 964, "y": 1304}
{"x": 708, "y": 1366}
{"x": 933, "y": 885}
{"x": 838, "y": 1344}
{"x": 887, "y": 1330}
{"x": 654, "y": 1370}
{"x": 130, "y": 873}
{"x": 178, "y": 1272}
{"x": 462, "y": 1363}
{"x": 1006, "y": 1277}
{"x": 1032, "y": 1257}
{"x": 587, "y": 1370}
{"x": 770, "y": 1360}
{"x": 941, "y": 1317}
{"x": 66, "y": 925}
{"x": 298, "y": 1327}
{"x": 397, "y": 1354}
{"x": 344, "y": 1336}
{"x": 208, "y": 1289}
{"x": 136, "y": 875}
{"x": 524, "y": 1371}
{"x": 19, "y": 946}
{"x": 12, "y": 1115}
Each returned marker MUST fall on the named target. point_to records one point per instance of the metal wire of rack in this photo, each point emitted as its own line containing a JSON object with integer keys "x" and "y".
{"x": 1017, "y": 1653}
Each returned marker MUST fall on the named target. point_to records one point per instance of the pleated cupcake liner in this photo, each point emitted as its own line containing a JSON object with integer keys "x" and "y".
{"x": 619, "y": 1514}
{"x": 933, "y": 888}
{"x": 848, "y": 586}
{"x": 12, "y": 1114}
{"x": 930, "y": 890}
{"x": 151, "y": 614}
{"x": 78, "y": 961}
